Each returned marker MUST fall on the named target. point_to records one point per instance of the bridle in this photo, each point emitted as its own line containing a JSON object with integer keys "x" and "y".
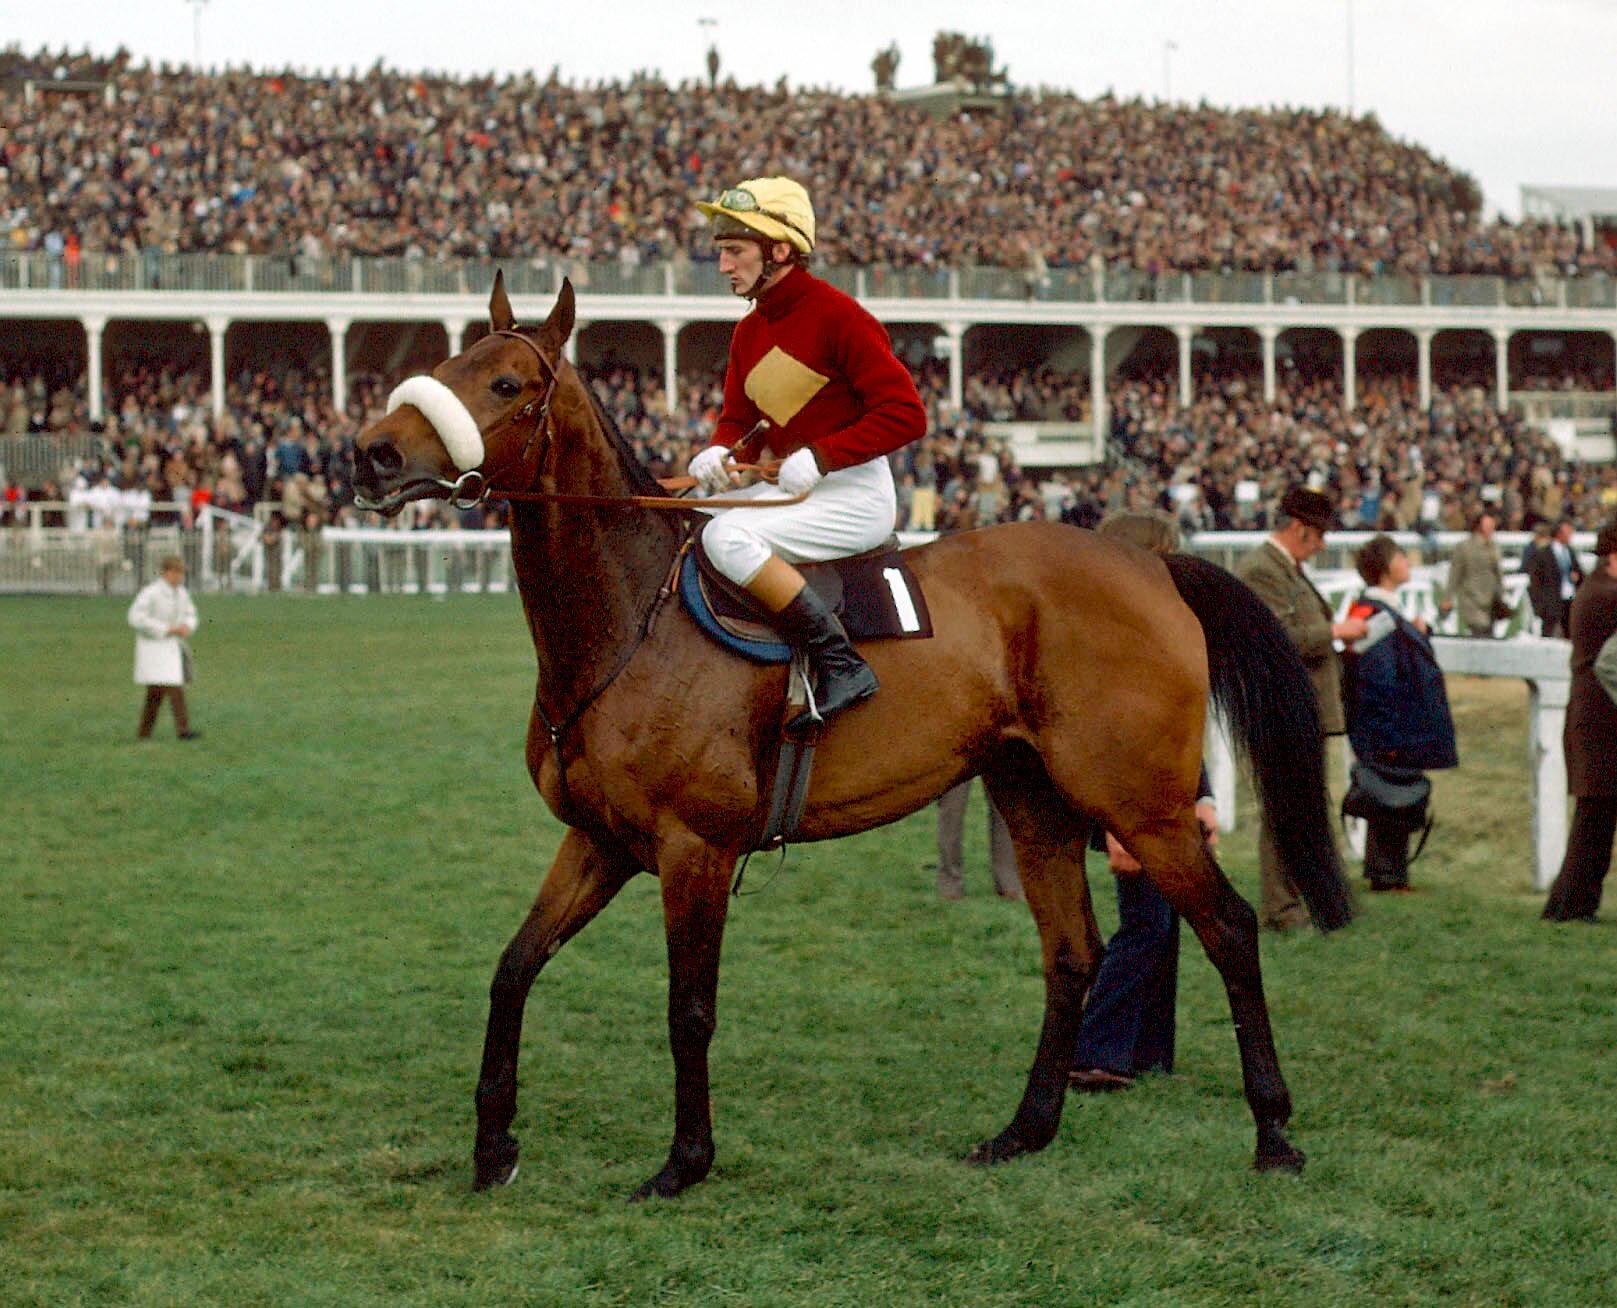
{"x": 482, "y": 483}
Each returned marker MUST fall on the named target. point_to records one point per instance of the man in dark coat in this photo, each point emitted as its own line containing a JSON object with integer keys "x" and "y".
{"x": 1590, "y": 745}
{"x": 1553, "y": 577}
{"x": 1274, "y": 571}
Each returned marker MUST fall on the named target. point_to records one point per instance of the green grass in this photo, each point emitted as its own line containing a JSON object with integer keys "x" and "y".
{"x": 245, "y": 984}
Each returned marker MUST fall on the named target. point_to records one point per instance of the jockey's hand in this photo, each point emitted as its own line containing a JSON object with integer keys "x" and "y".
{"x": 799, "y": 474}
{"x": 710, "y": 471}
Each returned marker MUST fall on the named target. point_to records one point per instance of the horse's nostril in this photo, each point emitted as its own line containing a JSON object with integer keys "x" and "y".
{"x": 385, "y": 458}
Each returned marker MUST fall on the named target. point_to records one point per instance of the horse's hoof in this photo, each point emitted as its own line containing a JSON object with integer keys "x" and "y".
{"x": 1001, "y": 1149}
{"x": 1280, "y": 1158}
{"x": 665, "y": 1185}
{"x": 495, "y": 1164}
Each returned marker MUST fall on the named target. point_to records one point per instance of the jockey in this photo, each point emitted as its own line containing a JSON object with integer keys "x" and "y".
{"x": 813, "y": 368}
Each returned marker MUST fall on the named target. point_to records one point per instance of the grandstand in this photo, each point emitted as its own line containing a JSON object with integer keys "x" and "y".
{"x": 210, "y": 280}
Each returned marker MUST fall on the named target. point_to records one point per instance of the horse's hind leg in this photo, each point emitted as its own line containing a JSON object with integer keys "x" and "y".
{"x": 1184, "y": 869}
{"x": 1049, "y": 837}
{"x": 580, "y": 883}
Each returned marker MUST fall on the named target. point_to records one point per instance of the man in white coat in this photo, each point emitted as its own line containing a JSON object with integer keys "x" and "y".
{"x": 164, "y": 617}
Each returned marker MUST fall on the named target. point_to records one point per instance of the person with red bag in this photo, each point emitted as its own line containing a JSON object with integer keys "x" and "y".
{"x": 1398, "y": 717}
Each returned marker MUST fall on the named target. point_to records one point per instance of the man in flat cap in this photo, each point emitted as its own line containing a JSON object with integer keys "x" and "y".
{"x": 1274, "y": 571}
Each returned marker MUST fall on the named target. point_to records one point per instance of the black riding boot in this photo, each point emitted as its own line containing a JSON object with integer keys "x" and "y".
{"x": 841, "y": 677}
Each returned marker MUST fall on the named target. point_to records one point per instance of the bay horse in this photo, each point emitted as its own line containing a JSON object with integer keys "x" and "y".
{"x": 1073, "y": 673}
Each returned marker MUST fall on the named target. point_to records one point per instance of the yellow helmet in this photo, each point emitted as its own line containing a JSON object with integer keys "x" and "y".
{"x": 775, "y": 208}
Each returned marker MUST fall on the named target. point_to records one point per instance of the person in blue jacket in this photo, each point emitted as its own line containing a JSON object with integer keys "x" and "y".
{"x": 1397, "y": 708}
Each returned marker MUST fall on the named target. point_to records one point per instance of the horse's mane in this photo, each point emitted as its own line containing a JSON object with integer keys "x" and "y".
{"x": 641, "y": 481}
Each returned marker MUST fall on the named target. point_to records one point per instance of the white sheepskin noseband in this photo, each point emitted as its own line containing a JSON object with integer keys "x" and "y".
{"x": 451, "y": 419}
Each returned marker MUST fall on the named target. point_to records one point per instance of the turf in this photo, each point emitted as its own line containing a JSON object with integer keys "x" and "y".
{"x": 246, "y": 981}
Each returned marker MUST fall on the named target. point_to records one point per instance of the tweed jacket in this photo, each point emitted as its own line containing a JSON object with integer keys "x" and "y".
{"x": 1283, "y": 586}
{"x": 1475, "y": 582}
{"x": 1589, "y": 739}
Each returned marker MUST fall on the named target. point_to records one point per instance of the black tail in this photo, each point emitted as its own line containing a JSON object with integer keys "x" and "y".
{"x": 1258, "y": 681}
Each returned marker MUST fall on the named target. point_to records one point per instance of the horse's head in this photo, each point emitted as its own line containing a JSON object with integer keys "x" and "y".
{"x": 477, "y": 418}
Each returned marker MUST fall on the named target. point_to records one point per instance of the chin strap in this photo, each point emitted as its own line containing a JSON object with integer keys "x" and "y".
{"x": 757, "y": 287}
{"x": 769, "y": 269}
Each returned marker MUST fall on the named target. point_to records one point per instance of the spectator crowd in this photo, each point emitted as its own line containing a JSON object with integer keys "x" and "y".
{"x": 425, "y": 166}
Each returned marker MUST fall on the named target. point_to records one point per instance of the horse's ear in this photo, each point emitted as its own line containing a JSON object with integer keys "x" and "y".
{"x": 559, "y": 326}
{"x": 499, "y": 305}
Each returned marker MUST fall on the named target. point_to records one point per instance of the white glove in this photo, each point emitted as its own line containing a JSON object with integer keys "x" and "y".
{"x": 799, "y": 474}
{"x": 709, "y": 470}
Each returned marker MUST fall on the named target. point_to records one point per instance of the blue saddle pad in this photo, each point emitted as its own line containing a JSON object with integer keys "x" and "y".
{"x": 695, "y": 601}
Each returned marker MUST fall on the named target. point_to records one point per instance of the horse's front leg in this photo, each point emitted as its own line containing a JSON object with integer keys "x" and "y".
{"x": 580, "y": 883}
{"x": 695, "y": 886}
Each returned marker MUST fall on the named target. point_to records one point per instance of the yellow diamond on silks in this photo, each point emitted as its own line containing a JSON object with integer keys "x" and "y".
{"x": 780, "y": 386}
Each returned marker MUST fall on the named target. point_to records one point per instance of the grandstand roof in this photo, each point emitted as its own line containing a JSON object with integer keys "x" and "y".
{"x": 1570, "y": 201}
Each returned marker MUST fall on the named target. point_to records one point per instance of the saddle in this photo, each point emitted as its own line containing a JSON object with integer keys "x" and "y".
{"x": 875, "y": 595}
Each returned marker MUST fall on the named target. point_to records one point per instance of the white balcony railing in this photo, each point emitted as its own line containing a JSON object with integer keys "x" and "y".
{"x": 244, "y": 274}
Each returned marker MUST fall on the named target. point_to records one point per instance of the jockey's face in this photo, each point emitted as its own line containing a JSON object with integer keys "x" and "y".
{"x": 742, "y": 262}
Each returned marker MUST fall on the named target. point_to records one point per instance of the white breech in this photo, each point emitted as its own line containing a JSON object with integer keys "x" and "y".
{"x": 852, "y": 510}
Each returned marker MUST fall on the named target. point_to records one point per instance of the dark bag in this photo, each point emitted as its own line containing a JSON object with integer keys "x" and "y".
{"x": 1394, "y": 797}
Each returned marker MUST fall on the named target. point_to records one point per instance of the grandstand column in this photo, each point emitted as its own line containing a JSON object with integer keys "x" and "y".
{"x": 217, "y": 327}
{"x": 955, "y": 334}
{"x": 1268, "y": 334}
{"x": 670, "y": 330}
{"x": 455, "y": 331}
{"x": 1350, "y": 366}
{"x": 93, "y": 327}
{"x": 1186, "y": 334}
{"x": 1423, "y": 366}
{"x": 1501, "y": 364}
{"x": 339, "y": 362}
{"x": 1097, "y": 382}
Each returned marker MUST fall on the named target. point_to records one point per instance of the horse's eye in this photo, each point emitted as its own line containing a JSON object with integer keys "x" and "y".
{"x": 506, "y": 387}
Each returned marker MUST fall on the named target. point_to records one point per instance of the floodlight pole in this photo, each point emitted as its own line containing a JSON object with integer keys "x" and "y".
{"x": 1350, "y": 58}
{"x": 707, "y": 25}
{"x": 196, "y": 33}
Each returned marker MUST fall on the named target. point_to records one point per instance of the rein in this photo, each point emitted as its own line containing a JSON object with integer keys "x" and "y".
{"x": 474, "y": 487}
{"x": 767, "y": 471}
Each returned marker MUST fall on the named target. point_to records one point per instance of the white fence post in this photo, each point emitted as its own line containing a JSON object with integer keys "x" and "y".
{"x": 1545, "y": 666}
{"x": 1546, "y": 708}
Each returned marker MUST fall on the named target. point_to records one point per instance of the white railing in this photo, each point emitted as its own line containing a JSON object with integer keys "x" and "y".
{"x": 378, "y": 560}
{"x": 151, "y": 270}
